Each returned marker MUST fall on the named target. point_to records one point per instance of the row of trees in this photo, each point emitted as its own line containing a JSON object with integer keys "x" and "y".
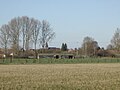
{"x": 90, "y": 47}
{"x": 23, "y": 32}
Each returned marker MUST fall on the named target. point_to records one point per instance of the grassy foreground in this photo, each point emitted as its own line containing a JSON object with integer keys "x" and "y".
{"x": 60, "y": 77}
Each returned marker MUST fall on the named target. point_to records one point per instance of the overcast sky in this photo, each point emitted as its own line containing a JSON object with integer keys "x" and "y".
{"x": 72, "y": 20}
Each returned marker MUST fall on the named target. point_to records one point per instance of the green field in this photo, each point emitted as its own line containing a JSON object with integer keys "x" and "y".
{"x": 59, "y": 61}
{"x": 60, "y": 77}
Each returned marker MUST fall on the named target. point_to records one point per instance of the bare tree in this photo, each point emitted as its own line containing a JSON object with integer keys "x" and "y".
{"x": 4, "y": 37}
{"x": 28, "y": 26}
{"x": 109, "y": 47}
{"x": 36, "y": 33}
{"x": 116, "y": 40}
{"x": 95, "y": 47}
{"x": 24, "y": 32}
{"x": 47, "y": 33}
{"x": 15, "y": 29}
{"x": 89, "y": 46}
{"x": 21, "y": 31}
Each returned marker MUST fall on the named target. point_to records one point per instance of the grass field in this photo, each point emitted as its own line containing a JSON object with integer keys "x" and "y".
{"x": 60, "y": 77}
{"x": 59, "y": 61}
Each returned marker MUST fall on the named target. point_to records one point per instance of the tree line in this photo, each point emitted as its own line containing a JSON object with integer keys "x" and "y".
{"x": 90, "y": 47}
{"x": 23, "y": 32}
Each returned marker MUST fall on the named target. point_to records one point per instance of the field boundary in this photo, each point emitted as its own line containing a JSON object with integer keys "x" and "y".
{"x": 60, "y": 61}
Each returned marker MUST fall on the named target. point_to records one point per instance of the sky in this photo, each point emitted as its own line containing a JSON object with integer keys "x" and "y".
{"x": 71, "y": 20}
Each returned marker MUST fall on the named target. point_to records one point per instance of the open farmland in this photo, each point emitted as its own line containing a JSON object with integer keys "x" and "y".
{"x": 60, "y": 77}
